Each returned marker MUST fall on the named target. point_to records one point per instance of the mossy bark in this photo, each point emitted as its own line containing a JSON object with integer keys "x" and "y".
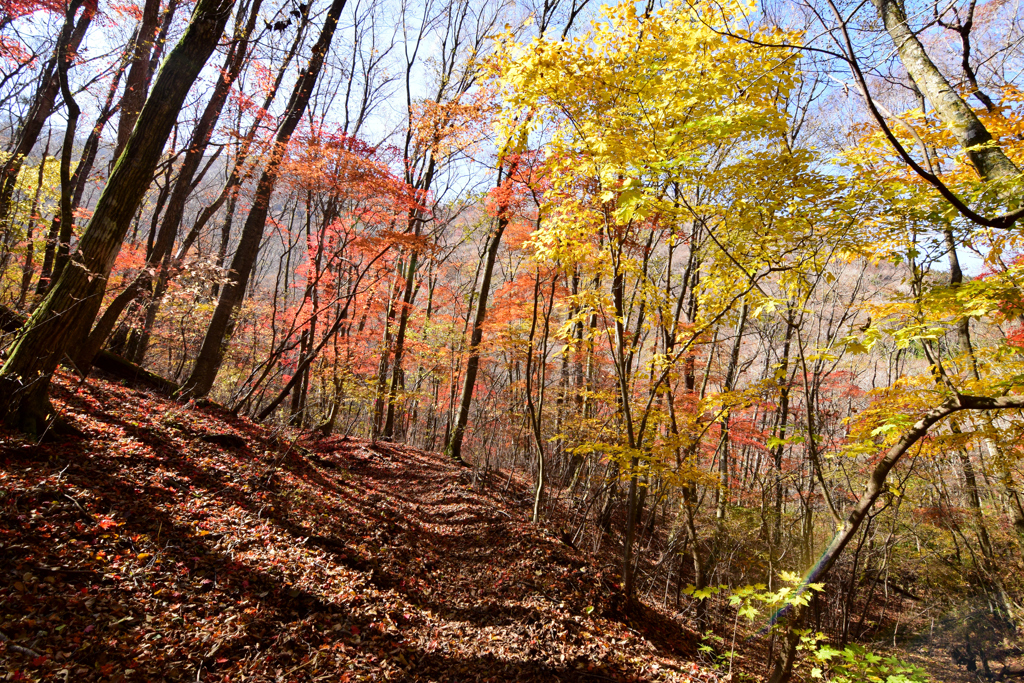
{"x": 65, "y": 316}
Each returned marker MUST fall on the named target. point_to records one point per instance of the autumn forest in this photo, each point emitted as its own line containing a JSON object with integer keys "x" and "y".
{"x": 487, "y": 340}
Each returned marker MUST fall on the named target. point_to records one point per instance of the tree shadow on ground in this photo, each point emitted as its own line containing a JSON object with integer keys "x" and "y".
{"x": 278, "y": 624}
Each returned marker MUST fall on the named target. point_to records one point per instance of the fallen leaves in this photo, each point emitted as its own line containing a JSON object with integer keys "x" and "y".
{"x": 177, "y": 544}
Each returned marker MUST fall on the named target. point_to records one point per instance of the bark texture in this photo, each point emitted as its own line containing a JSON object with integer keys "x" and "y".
{"x": 988, "y": 158}
{"x": 66, "y": 314}
{"x": 211, "y": 354}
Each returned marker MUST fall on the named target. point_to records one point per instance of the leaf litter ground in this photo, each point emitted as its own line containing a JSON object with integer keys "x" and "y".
{"x": 172, "y": 543}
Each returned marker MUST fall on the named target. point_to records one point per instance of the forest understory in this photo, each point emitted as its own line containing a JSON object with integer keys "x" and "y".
{"x": 176, "y": 543}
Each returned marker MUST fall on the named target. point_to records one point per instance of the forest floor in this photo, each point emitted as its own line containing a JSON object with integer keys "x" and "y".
{"x": 176, "y": 543}
{"x": 173, "y": 543}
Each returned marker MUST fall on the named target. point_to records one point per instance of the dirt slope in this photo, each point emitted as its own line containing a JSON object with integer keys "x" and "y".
{"x": 175, "y": 544}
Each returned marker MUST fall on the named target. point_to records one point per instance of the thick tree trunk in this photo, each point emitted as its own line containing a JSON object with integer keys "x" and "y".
{"x": 211, "y": 354}
{"x": 137, "y": 81}
{"x": 989, "y": 159}
{"x": 86, "y": 352}
{"x": 66, "y": 314}
{"x": 183, "y": 186}
{"x": 112, "y": 364}
{"x": 238, "y": 175}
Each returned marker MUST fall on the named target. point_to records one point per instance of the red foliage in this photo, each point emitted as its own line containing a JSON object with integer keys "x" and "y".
{"x": 14, "y": 9}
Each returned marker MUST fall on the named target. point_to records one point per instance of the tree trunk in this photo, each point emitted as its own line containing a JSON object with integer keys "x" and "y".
{"x": 42, "y": 105}
{"x": 183, "y": 186}
{"x": 536, "y": 409}
{"x": 777, "y": 450}
{"x": 411, "y": 288}
{"x": 876, "y": 484}
{"x": 622, "y": 372}
{"x": 989, "y": 159}
{"x": 30, "y": 223}
{"x": 956, "y": 278}
{"x": 454, "y": 448}
{"x": 211, "y": 354}
{"x": 137, "y": 82}
{"x": 66, "y": 314}
{"x": 722, "y": 492}
{"x": 57, "y": 237}
{"x": 67, "y": 148}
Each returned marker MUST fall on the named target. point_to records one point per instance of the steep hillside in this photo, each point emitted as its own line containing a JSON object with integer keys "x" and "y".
{"x": 170, "y": 543}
